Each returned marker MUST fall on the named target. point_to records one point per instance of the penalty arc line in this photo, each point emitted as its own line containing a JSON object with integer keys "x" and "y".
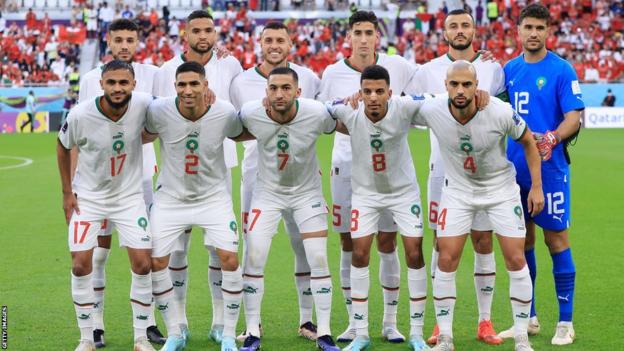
{"x": 25, "y": 162}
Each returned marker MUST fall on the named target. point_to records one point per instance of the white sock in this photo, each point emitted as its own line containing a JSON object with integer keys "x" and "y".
{"x": 82, "y": 294}
{"x": 390, "y": 278}
{"x": 302, "y": 280}
{"x": 100, "y": 256}
{"x": 320, "y": 282}
{"x": 178, "y": 269}
{"x": 520, "y": 292}
{"x": 164, "y": 301}
{"x": 434, "y": 262}
{"x": 232, "y": 292}
{"x": 417, "y": 284}
{"x": 345, "y": 282}
{"x": 141, "y": 301}
{"x": 484, "y": 280}
{"x": 444, "y": 296}
{"x": 360, "y": 284}
{"x": 215, "y": 284}
{"x": 253, "y": 281}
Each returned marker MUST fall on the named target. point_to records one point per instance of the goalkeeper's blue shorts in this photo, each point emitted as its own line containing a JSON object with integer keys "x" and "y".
{"x": 556, "y": 186}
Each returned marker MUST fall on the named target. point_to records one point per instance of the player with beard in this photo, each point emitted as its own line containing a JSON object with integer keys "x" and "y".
{"x": 341, "y": 80}
{"x": 288, "y": 182}
{"x": 122, "y": 40}
{"x": 107, "y": 132}
{"x": 478, "y": 177}
{"x": 201, "y": 37}
{"x": 251, "y": 85}
{"x": 459, "y": 31}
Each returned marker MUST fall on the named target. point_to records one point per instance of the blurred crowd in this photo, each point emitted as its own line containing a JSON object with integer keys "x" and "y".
{"x": 587, "y": 33}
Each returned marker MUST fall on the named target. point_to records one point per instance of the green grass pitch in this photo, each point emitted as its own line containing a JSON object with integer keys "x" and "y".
{"x": 35, "y": 263}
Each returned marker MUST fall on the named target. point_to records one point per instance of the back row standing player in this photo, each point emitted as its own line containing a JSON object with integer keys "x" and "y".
{"x": 459, "y": 31}
{"x": 544, "y": 90}
{"x": 251, "y": 85}
{"x": 201, "y": 37}
{"x": 340, "y": 80}
{"x": 122, "y": 39}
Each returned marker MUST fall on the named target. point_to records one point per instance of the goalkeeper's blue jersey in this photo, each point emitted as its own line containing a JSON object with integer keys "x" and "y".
{"x": 541, "y": 93}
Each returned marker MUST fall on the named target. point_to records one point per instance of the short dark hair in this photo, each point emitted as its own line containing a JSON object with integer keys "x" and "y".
{"x": 198, "y": 14}
{"x": 123, "y": 24}
{"x": 375, "y": 72}
{"x": 191, "y": 66}
{"x": 285, "y": 70}
{"x": 457, "y": 12}
{"x": 363, "y": 16}
{"x": 275, "y": 25}
{"x": 115, "y": 65}
{"x": 535, "y": 10}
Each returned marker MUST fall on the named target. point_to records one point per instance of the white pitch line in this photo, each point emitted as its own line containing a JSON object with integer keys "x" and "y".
{"x": 25, "y": 162}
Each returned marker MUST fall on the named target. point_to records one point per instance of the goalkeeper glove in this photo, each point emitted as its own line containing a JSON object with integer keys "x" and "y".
{"x": 546, "y": 143}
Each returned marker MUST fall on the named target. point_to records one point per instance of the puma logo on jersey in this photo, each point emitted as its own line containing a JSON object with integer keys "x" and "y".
{"x": 119, "y": 135}
{"x": 193, "y": 135}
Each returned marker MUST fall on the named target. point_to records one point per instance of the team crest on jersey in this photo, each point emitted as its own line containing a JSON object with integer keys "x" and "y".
{"x": 465, "y": 145}
{"x": 282, "y": 142}
{"x": 192, "y": 144}
{"x": 540, "y": 82}
{"x": 118, "y": 145}
{"x": 376, "y": 143}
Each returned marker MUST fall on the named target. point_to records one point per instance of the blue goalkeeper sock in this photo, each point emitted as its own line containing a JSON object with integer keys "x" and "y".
{"x": 564, "y": 272}
{"x": 532, "y": 264}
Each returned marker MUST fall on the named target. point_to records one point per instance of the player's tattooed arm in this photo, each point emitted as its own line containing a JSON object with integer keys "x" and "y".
{"x": 147, "y": 137}
{"x": 70, "y": 203}
{"x": 244, "y": 136}
{"x": 535, "y": 200}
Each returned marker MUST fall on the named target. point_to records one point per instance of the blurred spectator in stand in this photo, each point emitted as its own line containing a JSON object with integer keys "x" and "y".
{"x": 479, "y": 14}
{"x": 609, "y": 100}
{"x": 106, "y": 16}
{"x": 492, "y": 11}
{"x": 31, "y": 109}
{"x": 31, "y": 19}
{"x": 127, "y": 13}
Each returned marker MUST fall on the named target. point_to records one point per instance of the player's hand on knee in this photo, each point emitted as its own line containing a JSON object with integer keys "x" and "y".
{"x": 482, "y": 98}
{"x": 535, "y": 200}
{"x": 547, "y": 143}
{"x": 70, "y": 204}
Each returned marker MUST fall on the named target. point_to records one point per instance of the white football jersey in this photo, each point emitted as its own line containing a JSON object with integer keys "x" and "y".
{"x": 474, "y": 153}
{"x": 90, "y": 87}
{"x": 110, "y": 153}
{"x": 430, "y": 79}
{"x": 287, "y": 152}
{"x": 341, "y": 80}
{"x": 220, "y": 74}
{"x": 382, "y": 161}
{"x": 193, "y": 166}
{"x": 251, "y": 85}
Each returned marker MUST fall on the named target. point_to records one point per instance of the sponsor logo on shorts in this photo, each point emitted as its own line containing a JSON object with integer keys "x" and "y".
{"x": 178, "y": 283}
{"x": 324, "y": 291}
{"x": 163, "y": 307}
{"x": 358, "y": 317}
{"x": 141, "y": 317}
{"x": 146, "y": 238}
{"x": 250, "y": 290}
{"x": 84, "y": 316}
{"x": 417, "y": 315}
{"x": 559, "y": 218}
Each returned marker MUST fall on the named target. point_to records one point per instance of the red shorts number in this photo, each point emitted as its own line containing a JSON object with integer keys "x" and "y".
{"x": 85, "y": 229}
{"x": 433, "y": 212}
{"x": 336, "y": 213}
{"x": 355, "y": 215}
{"x": 442, "y": 219}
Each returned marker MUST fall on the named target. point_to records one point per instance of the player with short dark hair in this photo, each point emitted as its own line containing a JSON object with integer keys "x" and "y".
{"x": 544, "y": 90}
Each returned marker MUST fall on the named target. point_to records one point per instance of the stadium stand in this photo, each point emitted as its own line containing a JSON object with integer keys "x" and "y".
{"x": 588, "y": 34}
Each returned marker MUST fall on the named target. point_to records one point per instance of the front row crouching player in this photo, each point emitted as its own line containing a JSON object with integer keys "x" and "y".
{"x": 480, "y": 178}
{"x": 107, "y": 131}
{"x": 384, "y": 182}
{"x": 192, "y": 190}
{"x": 288, "y": 183}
